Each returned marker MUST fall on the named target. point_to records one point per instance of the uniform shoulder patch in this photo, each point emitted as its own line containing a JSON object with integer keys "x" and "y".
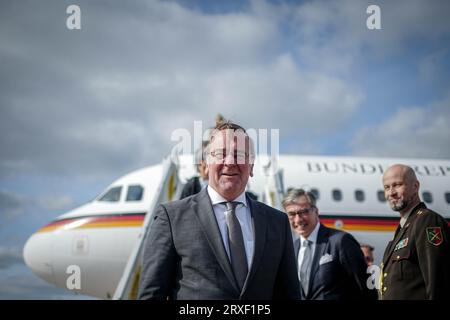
{"x": 434, "y": 235}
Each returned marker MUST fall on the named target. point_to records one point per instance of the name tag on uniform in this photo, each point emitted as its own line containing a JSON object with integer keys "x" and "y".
{"x": 401, "y": 244}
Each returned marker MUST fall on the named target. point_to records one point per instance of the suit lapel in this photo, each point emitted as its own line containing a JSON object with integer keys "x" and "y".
{"x": 394, "y": 242}
{"x": 296, "y": 249}
{"x": 389, "y": 247}
{"x": 321, "y": 245}
{"x": 205, "y": 214}
{"x": 259, "y": 221}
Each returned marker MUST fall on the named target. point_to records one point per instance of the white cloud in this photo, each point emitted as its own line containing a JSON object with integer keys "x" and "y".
{"x": 107, "y": 98}
{"x": 430, "y": 67}
{"x": 9, "y": 256}
{"x": 10, "y": 204}
{"x": 280, "y": 95}
{"x": 332, "y": 35}
{"x": 15, "y": 205}
{"x": 421, "y": 132}
{"x": 18, "y": 282}
{"x": 56, "y": 203}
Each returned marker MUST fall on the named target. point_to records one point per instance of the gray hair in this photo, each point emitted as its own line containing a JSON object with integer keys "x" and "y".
{"x": 293, "y": 195}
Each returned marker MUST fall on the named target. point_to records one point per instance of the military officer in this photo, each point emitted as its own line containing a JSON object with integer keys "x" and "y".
{"x": 416, "y": 263}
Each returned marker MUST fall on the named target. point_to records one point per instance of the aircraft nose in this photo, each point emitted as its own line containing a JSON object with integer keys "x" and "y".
{"x": 38, "y": 257}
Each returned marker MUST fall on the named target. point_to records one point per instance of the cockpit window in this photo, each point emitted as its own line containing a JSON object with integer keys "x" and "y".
{"x": 135, "y": 193}
{"x": 112, "y": 195}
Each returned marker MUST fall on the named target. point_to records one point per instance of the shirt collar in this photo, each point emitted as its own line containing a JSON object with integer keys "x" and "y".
{"x": 313, "y": 236}
{"x": 216, "y": 198}
{"x": 203, "y": 183}
{"x": 405, "y": 217}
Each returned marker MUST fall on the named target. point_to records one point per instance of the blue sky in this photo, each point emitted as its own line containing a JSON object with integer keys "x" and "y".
{"x": 78, "y": 109}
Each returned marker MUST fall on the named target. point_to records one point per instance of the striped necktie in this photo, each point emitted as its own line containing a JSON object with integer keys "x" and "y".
{"x": 236, "y": 245}
{"x": 305, "y": 266}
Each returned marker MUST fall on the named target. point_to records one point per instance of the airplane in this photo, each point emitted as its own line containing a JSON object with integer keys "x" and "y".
{"x": 103, "y": 238}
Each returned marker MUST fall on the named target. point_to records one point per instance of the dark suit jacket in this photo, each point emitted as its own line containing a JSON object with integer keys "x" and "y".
{"x": 192, "y": 186}
{"x": 416, "y": 263}
{"x": 344, "y": 277}
{"x": 184, "y": 256}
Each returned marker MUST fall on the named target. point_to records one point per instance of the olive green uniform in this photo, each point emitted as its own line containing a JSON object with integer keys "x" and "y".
{"x": 416, "y": 263}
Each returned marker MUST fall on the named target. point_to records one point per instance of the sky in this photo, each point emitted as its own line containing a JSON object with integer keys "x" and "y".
{"x": 80, "y": 108}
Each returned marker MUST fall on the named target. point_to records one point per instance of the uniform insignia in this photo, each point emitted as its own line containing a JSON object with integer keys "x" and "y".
{"x": 401, "y": 244}
{"x": 434, "y": 235}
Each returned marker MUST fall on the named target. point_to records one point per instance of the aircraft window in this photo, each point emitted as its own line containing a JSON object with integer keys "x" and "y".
{"x": 427, "y": 197}
{"x": 447, "y": 197}
{"x": 112, "y": 195}
{"x": 135, "y": 193}
{"x": 316, "y": 193}
{"x": 337, "y": 195}
{"x": 380, "y": 195}
{"x": 359, "y": 195}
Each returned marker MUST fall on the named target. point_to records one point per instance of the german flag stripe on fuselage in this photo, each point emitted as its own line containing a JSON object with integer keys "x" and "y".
{"x": 344, "y": 222}
{"x": 358, "y": 223}
{"x": 96, "y": 221}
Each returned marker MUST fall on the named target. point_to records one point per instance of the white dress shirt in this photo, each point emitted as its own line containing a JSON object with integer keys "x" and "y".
{"x": 313, "y": 238}
{"x": 244, "y": 216}
{"x": 404, "y": 218}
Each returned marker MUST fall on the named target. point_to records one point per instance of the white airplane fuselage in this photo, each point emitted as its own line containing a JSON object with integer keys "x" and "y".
{"x": 98, "y": 237}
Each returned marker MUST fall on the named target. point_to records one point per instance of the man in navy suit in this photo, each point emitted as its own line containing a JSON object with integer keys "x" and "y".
{"x": 331, "y": 265}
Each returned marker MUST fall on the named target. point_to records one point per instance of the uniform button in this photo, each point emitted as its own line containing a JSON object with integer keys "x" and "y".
{"x": 398, "y": 257}
{"x": 385, "y": 275}
{"x": 384, "y": 289}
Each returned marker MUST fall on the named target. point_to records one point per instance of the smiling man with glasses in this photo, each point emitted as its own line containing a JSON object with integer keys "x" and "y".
{"x": 330, "y": 263}
{"x": 416, "y": 262}
{"x": 220, "y": 243}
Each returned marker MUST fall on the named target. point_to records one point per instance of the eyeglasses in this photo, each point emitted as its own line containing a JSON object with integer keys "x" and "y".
{"x": 304, "y": 212}
{"x": 239, "y": 157}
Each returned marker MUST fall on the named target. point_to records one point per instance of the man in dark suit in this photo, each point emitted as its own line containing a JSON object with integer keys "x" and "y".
{"x": 331, "y": 265}
{"x": 197, "y": 183}
{"x": 416, "y": 263}
{"x": 219, "y": 243}
{"x": 367, "y": 250}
